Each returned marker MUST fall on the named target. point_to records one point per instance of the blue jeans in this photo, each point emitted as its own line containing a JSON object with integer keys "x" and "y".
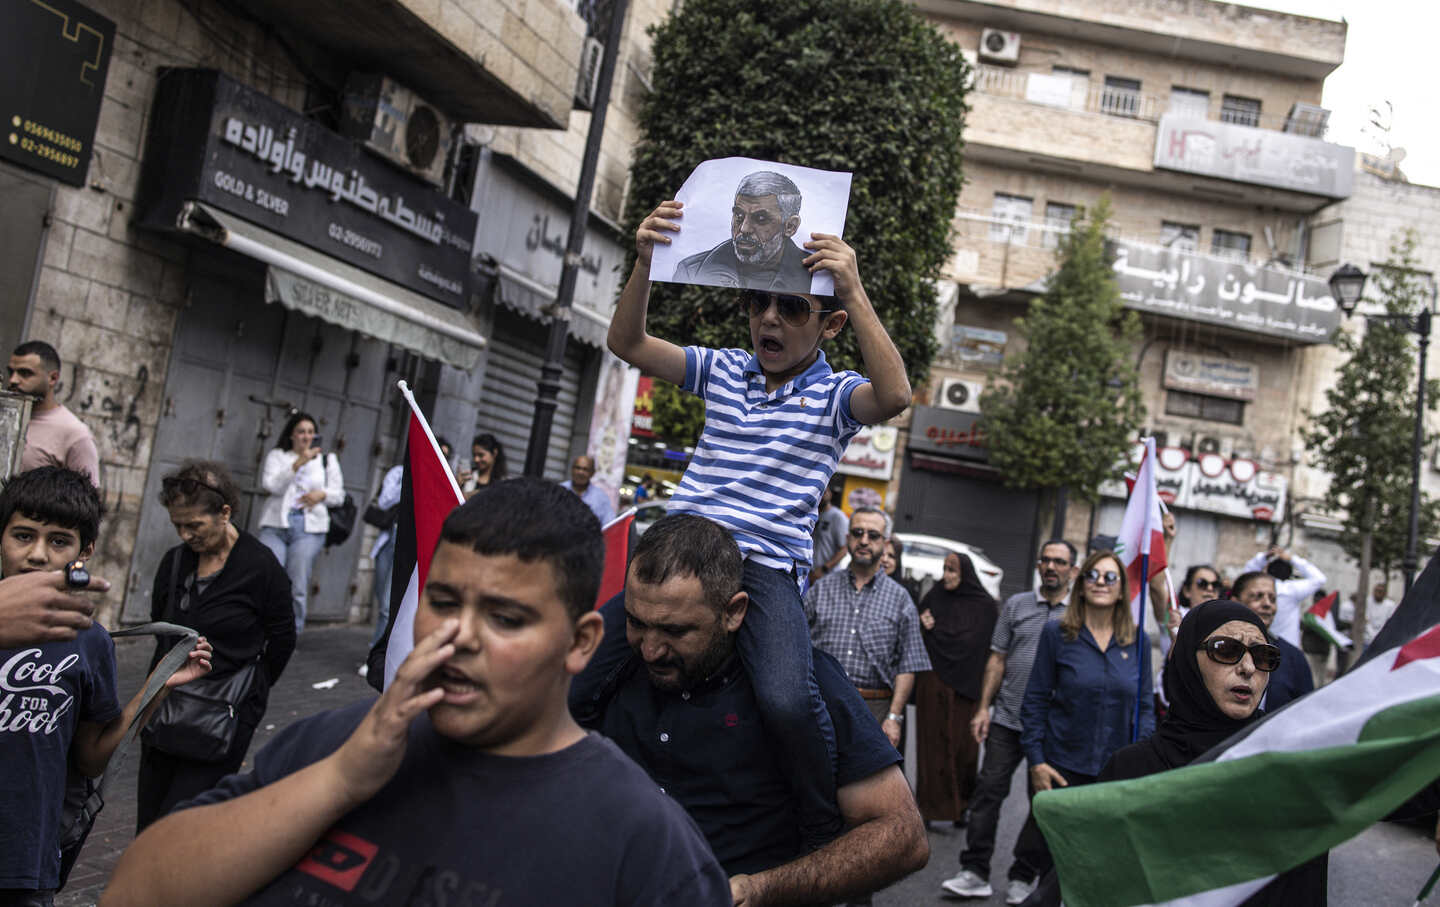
{"x": 384, "y": 567}
{"x": 296, "y": 550}
{"x": 774, "y": 644}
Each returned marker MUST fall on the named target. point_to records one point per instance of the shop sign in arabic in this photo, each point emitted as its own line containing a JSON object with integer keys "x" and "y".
{"x": 220, "y": 142}
{"x": 1262, "y": 157}
{"x": 949, "y": 432}
{"x": 1234, "y": 294}
{"x": 1210, "y": 482}
{"x": 1218, "y": 376}
{"x": 871, "y": 453}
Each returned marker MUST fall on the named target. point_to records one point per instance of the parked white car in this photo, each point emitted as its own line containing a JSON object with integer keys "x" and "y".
{"x": 923, "y": 560}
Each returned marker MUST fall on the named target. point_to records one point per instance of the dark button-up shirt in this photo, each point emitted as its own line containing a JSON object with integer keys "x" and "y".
{"x": 1291, "y": 680}
{"x": 707, "y": 748}
{"x": 873, "y": 631}
{"x": 1080, "y": 702}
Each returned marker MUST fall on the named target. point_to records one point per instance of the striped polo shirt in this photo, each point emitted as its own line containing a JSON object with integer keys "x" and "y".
{"x": 764, "y": 459}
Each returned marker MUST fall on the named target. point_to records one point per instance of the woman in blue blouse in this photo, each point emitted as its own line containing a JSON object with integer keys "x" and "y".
{"x": 1079, "y": 706}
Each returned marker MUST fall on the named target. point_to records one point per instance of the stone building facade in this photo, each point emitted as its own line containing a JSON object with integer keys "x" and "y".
{"x": 1201, "y": 121}
{"x": 170, "y": 347}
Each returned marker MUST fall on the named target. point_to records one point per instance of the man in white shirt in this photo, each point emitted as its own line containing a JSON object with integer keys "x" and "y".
{"x": 1296, "y": 581}
{"x": 1377, "y": 611}
{"x": 581, "y": 471}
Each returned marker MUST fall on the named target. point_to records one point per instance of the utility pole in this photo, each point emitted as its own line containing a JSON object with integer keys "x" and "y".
{"x": 550, "y": 372}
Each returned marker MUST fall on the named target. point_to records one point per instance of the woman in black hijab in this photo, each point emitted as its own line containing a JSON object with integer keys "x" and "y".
{"x": 1217, "y": 672}
{"x": 957, "y": 617}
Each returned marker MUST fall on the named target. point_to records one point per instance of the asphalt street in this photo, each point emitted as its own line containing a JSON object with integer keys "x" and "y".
{"x": 1385, "y": 865}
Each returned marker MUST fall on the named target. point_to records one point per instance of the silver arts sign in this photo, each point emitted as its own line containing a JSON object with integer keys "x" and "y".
{"x": 1237, "y": 295}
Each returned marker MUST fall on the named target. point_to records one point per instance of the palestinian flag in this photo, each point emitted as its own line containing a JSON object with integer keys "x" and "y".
{"x": 617, "y": 553}
{"x": 428, "y": 495}
{"x": 1300, "y": 781}
{"x": 1321, "y": 619}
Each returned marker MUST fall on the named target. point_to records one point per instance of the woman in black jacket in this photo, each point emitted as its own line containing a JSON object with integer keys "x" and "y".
{"x": 224, "y": 583}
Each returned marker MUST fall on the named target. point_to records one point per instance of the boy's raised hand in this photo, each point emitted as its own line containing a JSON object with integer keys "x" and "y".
{"x": 657, "y": 228}
{"x": 369, "y": 758}
{"x": 829, "y": 252}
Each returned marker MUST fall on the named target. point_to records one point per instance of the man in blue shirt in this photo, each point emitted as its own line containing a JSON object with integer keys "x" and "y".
{"x": 682, "y": 706}
{"x": 581, "y": 471}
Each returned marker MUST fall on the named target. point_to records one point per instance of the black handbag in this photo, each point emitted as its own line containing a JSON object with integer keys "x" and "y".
{"x": 381, "y": 517}
{"x": 342, "y": 522}
{"x": 199, "y": 720}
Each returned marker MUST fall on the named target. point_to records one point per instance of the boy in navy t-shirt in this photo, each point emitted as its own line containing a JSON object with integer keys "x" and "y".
{"x": 467, "y": 781}
{"x": 57, "y": 699}
{"x": 777, "y": 422}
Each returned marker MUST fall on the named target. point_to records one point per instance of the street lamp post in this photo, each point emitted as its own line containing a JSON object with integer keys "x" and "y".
{"x": 1346, "y": 285}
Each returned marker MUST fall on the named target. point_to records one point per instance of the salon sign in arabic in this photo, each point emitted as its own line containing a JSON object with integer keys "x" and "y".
{"x": 871, "y": 453}
{"x": 261, "y": 161}
{"x": 1232, "y": 486}
{"x": 1262, "y": 157}
{"x": 1234, "y": 294}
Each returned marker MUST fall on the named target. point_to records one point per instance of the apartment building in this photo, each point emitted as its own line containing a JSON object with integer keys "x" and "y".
{"x": 222, "y": 211}
{"x": 1201, "y": 120}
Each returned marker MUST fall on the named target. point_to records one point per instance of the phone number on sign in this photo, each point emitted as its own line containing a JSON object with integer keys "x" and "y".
{"x": 237, "y": 187}
{"x": 356, "y": 241}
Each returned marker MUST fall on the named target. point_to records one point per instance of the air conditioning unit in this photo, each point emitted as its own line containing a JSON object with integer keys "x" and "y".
{"x": 998, "y": 46}
{"x": 397, "y": 124}
{"x": 1307, "y": 119}
{"x": 587, "y": 80}
{"x": 961, "y": 394}
{"x": 1210, "y": 444}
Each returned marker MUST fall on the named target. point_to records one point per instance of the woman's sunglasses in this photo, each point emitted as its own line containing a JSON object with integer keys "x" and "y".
{"x": 1207, "y": 584}
{"x": 1227, "y": 651}
{"x": 793, "y": 310}
{"x": 1108, "y": 578}
{"x": 188, "y": 486}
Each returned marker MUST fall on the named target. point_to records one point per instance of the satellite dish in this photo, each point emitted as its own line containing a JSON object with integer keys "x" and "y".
{"x": 1396, "y": 155}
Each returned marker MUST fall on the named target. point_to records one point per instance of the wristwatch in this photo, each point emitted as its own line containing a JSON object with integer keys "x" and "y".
{"x": 898, "y": 719}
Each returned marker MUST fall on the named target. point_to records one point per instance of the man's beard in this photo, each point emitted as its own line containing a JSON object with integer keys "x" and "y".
{"x": 762, "y": 255}
{"x": 687, "y": 676}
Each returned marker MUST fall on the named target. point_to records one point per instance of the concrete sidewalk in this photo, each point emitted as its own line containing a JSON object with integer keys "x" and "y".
{"x": 324, "y": 653}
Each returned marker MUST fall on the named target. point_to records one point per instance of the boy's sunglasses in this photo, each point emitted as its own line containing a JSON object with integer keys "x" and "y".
{"x": 1108, "y": 578}
{"x": 1227, "y": 651}
{"x": 793, "y": 310}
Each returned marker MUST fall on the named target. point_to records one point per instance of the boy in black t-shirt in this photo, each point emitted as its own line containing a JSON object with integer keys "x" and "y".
{"x": 57, "y": 699}
{"x": 467, "y": 781}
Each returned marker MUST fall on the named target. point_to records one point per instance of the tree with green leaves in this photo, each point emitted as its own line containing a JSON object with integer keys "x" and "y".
{"x": 866, "y": 86}
{"x": 1364, "y": 438}
{"x": 1064, "y": 412}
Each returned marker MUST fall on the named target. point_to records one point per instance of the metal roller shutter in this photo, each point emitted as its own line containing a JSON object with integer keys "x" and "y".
{"x": 507, "y": 400}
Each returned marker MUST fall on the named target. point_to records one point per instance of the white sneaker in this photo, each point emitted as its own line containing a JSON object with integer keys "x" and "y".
{"x": 1017, "y": 891}
{"x": 968, "y": 885}
{"x": 364, "y": 669}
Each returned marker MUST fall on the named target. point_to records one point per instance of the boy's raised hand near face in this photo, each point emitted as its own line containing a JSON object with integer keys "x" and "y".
{"x": 628, "y": 337}
{"x": 888, "y": 392}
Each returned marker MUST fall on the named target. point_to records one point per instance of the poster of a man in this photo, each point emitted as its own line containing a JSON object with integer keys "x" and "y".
{"x": 760, "y": 239}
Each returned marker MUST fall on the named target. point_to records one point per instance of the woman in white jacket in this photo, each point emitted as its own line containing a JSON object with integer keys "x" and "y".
{"x": 303, "y": 483}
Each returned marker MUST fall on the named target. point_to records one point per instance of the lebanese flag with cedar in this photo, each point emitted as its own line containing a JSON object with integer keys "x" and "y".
{"x": 1142, "y": 534}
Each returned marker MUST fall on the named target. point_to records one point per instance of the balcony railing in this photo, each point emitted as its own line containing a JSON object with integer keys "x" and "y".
{"x": 1075, "y": 93}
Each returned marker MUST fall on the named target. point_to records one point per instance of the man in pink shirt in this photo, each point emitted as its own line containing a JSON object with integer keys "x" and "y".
{"x": 55, "y": 436}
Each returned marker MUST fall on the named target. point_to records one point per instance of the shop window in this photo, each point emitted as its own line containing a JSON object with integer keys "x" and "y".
{"x": 1229, "y": 244}
{"x": 1204, "y": 406}
{"x": 1242, "y": 111}
{"x": 1010, "y": 215}
{"x": 1058, "y": 217}
{"x": 1180, "y": 237}
{"x": 1190, "y": 102}
{"x": 1121, "y": 97}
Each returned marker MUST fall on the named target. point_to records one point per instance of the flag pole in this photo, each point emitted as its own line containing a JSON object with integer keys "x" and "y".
{"x": 1140, "y": 641}
{"x": 1429, "y": 886}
